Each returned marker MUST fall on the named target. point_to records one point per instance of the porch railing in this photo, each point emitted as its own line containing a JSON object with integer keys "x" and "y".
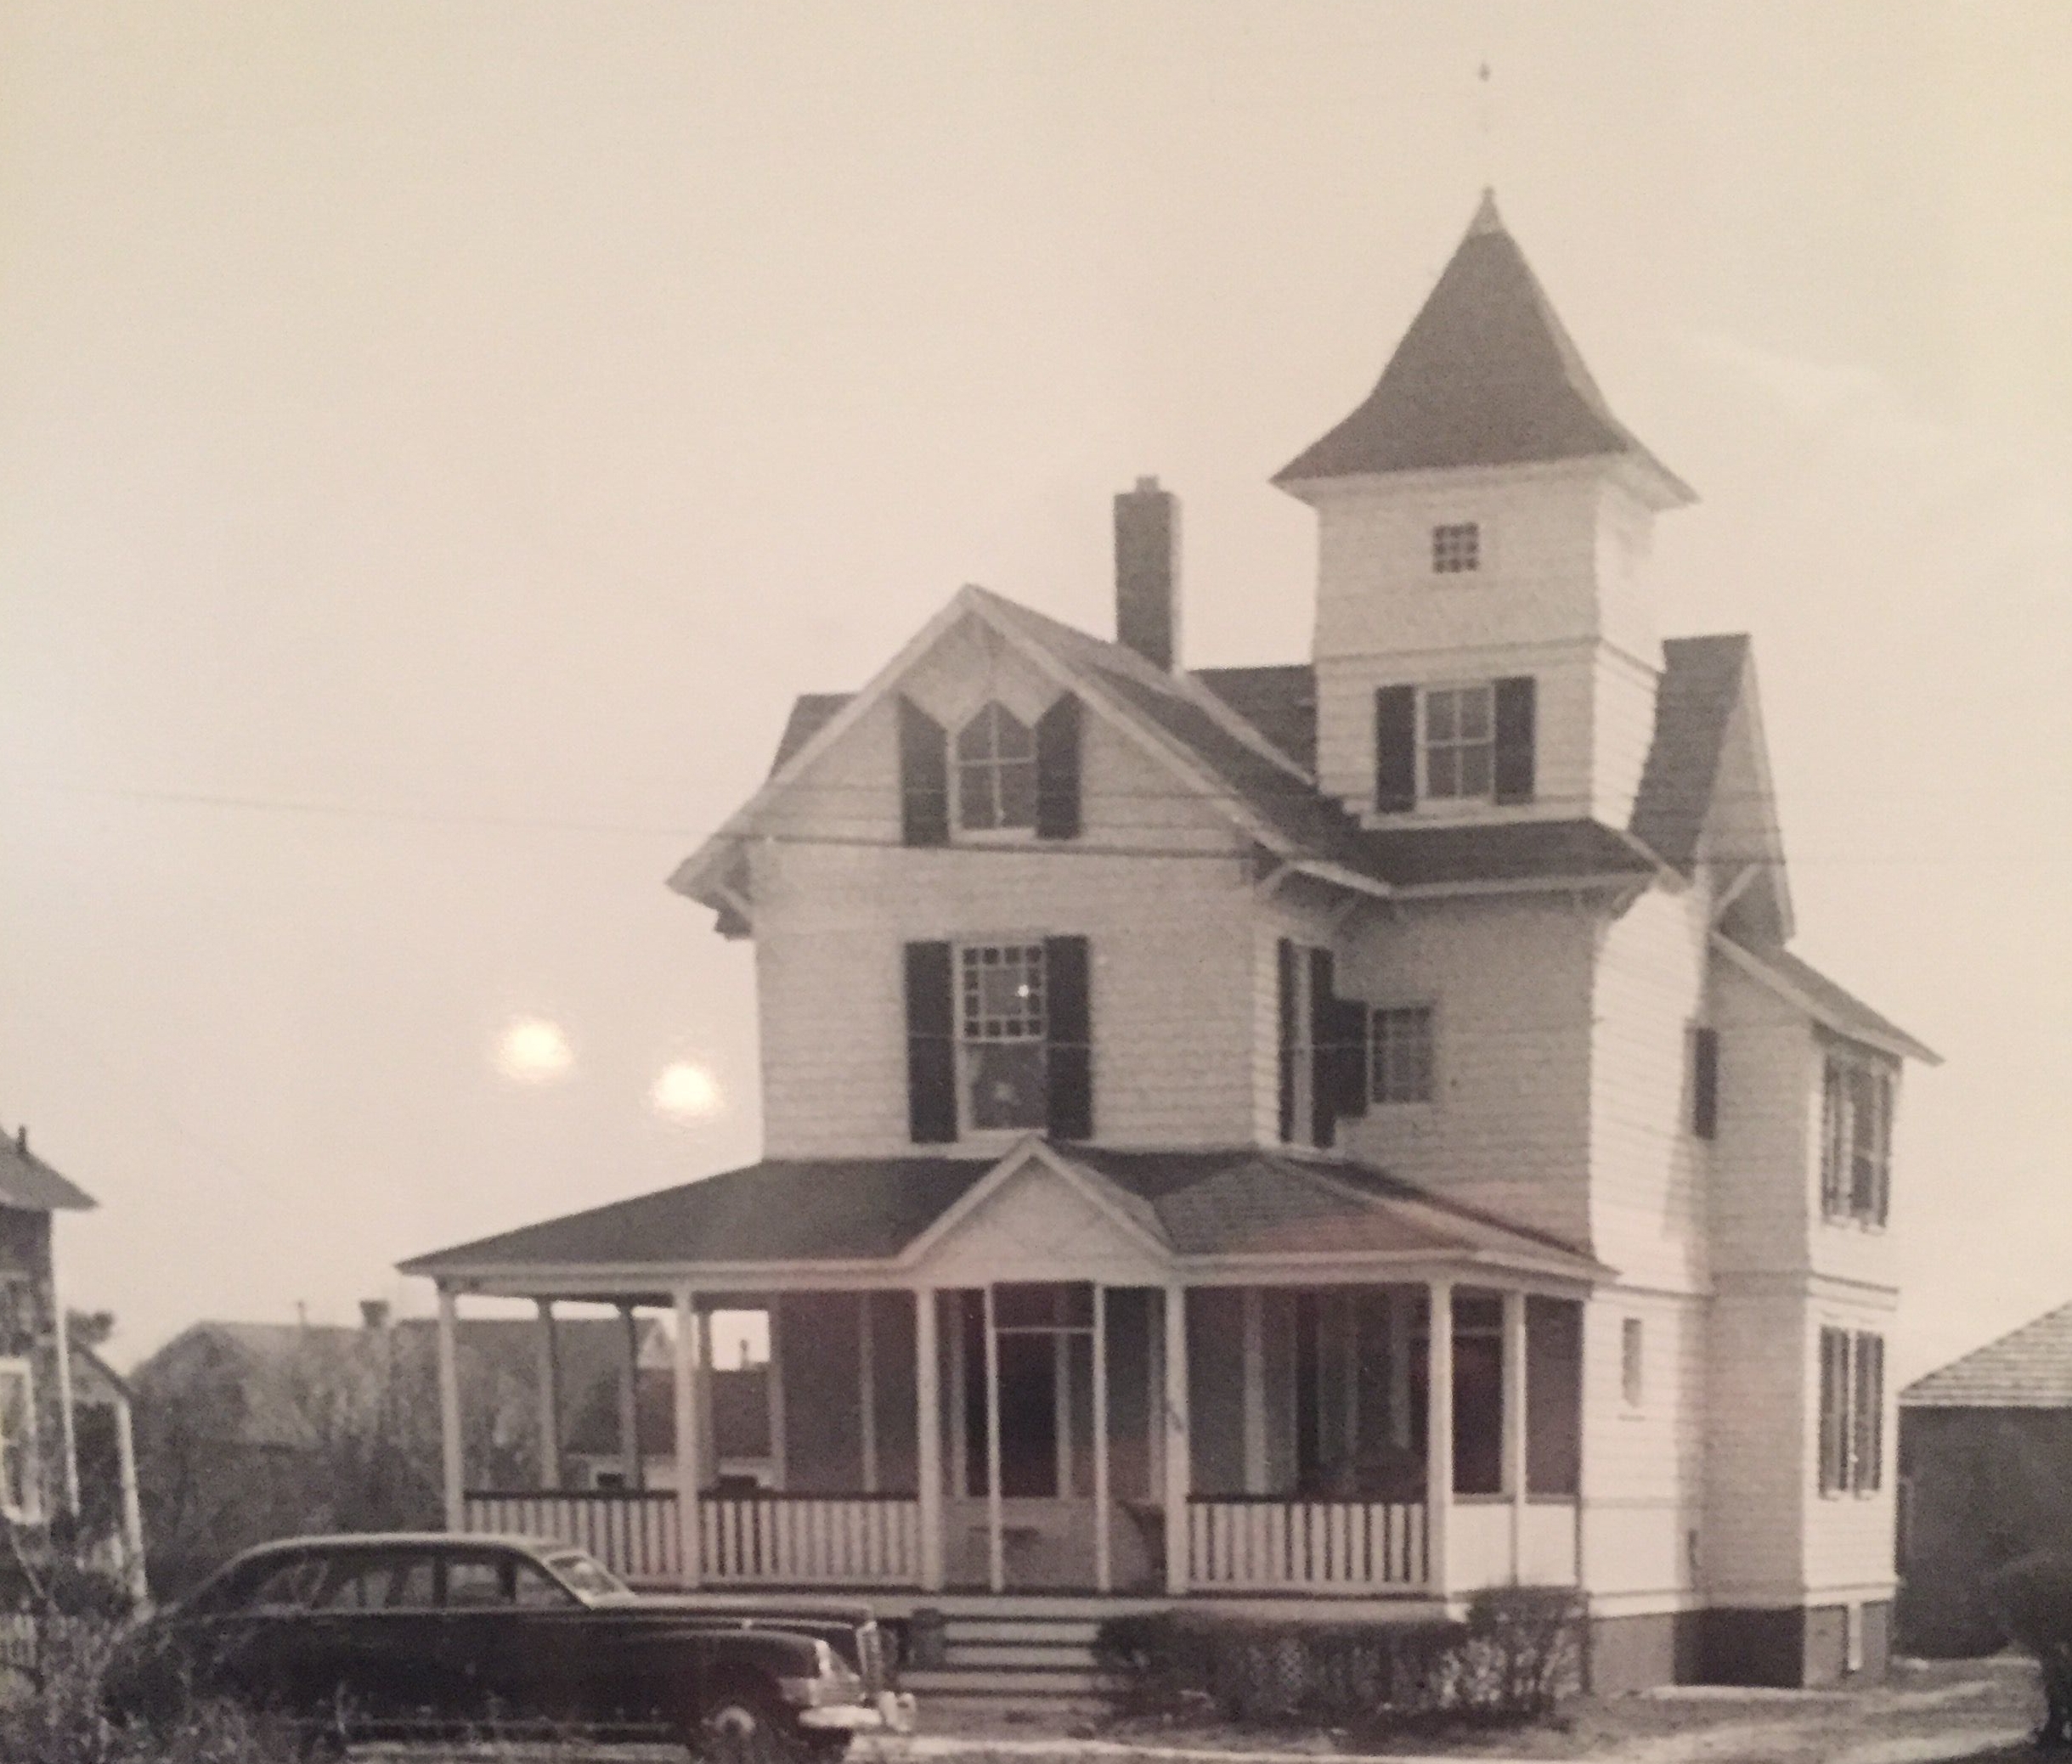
{"x": 633, "y": 1532}
{"x": 748, "y": 1536}
{"x": 837, "y": 1540}
{"x": 1263, "y": 1543}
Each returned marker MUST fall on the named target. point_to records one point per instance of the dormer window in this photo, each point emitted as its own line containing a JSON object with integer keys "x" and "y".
{"x": 996, "y": 773}
{"x": 1456, "y": 548}
{"x": 1460, "y": 743}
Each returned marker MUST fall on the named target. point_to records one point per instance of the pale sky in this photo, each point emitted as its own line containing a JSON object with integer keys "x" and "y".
{"x": 437, "y": 441}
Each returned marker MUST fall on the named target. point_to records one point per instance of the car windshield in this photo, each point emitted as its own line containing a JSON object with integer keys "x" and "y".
{"x": 586, "y": 1577}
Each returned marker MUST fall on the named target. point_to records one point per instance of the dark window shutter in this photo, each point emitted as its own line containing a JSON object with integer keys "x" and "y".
{"x": 1705, "y": 1082}
{"x": 925, "y": 778}
{"x": 1516, "y": 715}
{"x": 1069, "y": 1029}
{"x": 1057, "y": 754}
{"x": 1349, "y": 1037}
{"x": 1324, "y": 1062}
{"x": 931, "y": 1045}
{"x": 1396, "y": 749}
{"x": 1287, "y": 977}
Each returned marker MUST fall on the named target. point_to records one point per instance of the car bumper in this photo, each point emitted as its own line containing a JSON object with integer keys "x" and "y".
{"x": 892, "y": 1713}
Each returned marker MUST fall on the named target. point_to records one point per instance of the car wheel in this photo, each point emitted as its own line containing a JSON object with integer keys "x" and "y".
{"x": 745, "y": 1724}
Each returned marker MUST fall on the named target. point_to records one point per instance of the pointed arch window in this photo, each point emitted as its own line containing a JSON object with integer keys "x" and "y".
{"x": 996, "y": 773}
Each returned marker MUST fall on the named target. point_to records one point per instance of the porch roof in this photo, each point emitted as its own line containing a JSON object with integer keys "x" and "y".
{"x": 1204, "y": 1205}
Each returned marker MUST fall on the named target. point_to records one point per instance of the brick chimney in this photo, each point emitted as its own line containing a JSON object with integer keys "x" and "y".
{"x": 373, "y": 1313}
{"x": 1148, "y": 573}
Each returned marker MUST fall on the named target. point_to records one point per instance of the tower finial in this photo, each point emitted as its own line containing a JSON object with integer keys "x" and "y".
{"x": 1487, "y": 219}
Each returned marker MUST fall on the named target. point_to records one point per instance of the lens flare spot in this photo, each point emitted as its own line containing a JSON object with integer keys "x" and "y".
{"x": 686, "y": 1091}
{"x": 533, "y": 1051}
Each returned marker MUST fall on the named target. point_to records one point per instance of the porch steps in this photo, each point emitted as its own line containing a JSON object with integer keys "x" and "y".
{"x": 1045, "y": 1659}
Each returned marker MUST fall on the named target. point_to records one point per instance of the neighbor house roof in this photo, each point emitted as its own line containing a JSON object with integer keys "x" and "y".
{"x": 1241, "y": 1201}
{"x": 29, "y": 1183}
{"x": 1486, "y": 375}
{"x": 2029, "y": 1368}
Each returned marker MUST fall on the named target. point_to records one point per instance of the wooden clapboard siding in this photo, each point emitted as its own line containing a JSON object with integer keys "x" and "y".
{"x": 1644, "y": 1465}
{"x": 1647, "y": 1168}
{"x": 1510, "y": 978}
{"x": 1849, "y": 1536}
{"x": 1753, "y": 1546}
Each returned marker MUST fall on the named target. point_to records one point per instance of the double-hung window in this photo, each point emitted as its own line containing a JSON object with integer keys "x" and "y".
{"x": 1852, "y": 1438}
{"x": 19, "y": 1489}
{"x": 1002, "y": 1026}
{"x": 1400, "y": 1051}
{"x": 1460, "y": 743}
{"x": 1855, "y": 1139}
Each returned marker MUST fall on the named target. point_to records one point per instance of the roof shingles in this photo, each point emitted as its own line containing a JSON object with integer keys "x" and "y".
{"x": 2028, "y": 1368}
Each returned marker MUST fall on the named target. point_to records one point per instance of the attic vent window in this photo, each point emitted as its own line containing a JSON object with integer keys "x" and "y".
{"x": 1456, "y": 548}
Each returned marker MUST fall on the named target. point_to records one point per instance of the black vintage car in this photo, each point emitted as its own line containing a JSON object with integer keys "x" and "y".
{"x": 421, "y": 1636}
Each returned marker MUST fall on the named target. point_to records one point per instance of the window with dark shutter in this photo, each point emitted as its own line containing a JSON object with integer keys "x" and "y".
{"x": 1705, "y": 1082}
{"x": 1349, "y": 1044}
{"x": 931, "y": 1045}
{"x": 924, "y": 777}
{"x": 1516, "y": 715}
{"x": 1323, "y": 1059}
{"x": 1069, "y": 1030}
{"x": 1057, "y": 760}
{"x": 1867, "y": 1451}
{"x": 1396, "y": 749}
{"x": 1285, "y": 970}
{"x": 1834, "y": 1441}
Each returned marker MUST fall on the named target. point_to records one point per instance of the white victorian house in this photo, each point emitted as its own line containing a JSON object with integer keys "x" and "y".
{"x": 1318, "y": 1137}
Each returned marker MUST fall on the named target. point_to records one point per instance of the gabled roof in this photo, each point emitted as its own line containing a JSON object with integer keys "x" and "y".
{"x": 1238, "y": 1202}
{"x": 29, "y": 1183}
{"x": 2029, "y": 1368}
{"x": 1486, "y": 375}
{"x": 1801, "y": 983}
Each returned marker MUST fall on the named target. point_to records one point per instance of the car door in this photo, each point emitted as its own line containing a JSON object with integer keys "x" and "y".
{"x": 247, "y": 1640}
{"x": 510, "y": 1650}
{"x": 373, "y": 1651}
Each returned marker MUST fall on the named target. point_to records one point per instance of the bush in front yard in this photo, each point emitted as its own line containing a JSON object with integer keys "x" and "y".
{"x": 2034, "y": 1594}
{"x": 1516, "y": 1653}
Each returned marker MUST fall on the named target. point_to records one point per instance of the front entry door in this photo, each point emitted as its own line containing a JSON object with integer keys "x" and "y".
{"x": 1042, "y": 1374}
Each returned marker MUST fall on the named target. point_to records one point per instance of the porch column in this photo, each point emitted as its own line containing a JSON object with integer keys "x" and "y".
{"x": 549, "y": 1394}
{"x": 1399, "y": 1367}
{"x": 1439, "y": 1430}
{"x": 773, "y": 1385}
{"x": 1515, "y": 1426}
{"x": 1252, "y": 1326}
{"x": 450, "y": 1412}
{"x": 689, "y": 1350}
{"x": 133, "y": 1510}
{"x": 867, "y": 1386}
{"x": 1103, "y": 1554}
{"x": 928, "y": 1438}
{"x": 995, "y": 1536}
{"x": 1178, "y": 1469}
{"x": 635, "y": 1470}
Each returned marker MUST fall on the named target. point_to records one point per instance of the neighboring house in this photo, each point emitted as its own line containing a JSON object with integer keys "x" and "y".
{"x": 65, "y": 1459}
{"x": 1985, "y": 1475}
{"x": 1351, "y": 1130}
{"x": 250, "y": 1431}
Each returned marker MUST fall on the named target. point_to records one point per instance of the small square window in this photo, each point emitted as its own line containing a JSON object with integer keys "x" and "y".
{"x": 1632, "y": 1361}
{"x": 1402, "y": 1049}
{"x": 1456, "y": 548}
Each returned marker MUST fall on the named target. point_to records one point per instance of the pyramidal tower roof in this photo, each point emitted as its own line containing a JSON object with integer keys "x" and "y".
{"x": 1486, "y": 375}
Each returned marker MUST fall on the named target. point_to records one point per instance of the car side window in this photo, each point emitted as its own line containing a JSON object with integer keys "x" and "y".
{"x": 536, "y": 1590}
{"x": 288, "y": 1587}
{"x": 377, "y": 1582}
{"x": 472, "y": 1581}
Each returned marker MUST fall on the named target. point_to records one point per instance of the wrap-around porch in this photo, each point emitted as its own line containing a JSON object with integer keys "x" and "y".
{"x": 1075, "y": 1436}
{"x": 1051, "y": 1387}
